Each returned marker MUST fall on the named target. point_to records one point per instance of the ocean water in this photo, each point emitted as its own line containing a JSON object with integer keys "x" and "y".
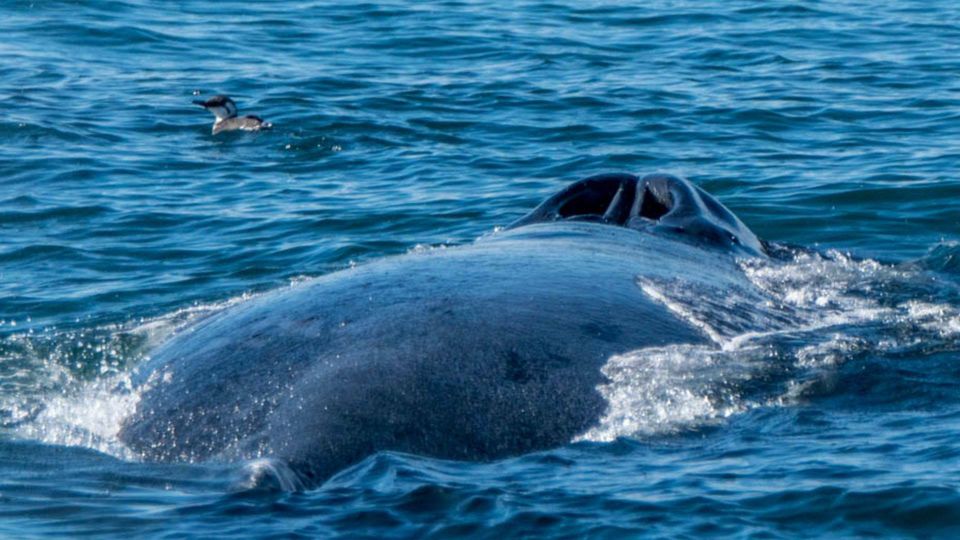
{"x": 402, "y": 126}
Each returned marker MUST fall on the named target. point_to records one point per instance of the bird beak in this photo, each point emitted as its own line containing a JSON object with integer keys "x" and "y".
{"x": 200, "y": 103}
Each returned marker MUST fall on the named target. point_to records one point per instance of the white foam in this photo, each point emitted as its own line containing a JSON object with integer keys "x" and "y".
{"x": 425, "y": 248}
{"x": 90, "y": 417}
{"x": 665, "y": 389}
{"x": 79, "y": 389}
{"x": 835, "y": 308}
{"x": 942, "y": 319}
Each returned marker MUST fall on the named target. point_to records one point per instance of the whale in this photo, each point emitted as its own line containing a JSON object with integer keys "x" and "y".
{"x": 475, "y": 352}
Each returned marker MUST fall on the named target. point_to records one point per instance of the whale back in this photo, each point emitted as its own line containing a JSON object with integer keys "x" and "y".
{"x": 477, "y": 352}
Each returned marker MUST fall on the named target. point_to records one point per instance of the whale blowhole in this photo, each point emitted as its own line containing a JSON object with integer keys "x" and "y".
{"x": 653, "y": 207}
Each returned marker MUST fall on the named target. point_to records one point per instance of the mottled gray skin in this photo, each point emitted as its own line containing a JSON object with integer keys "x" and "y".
{"x": 476, "y": 352}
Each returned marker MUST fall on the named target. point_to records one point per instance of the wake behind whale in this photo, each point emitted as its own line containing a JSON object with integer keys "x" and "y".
{"x": 478, "y": 352}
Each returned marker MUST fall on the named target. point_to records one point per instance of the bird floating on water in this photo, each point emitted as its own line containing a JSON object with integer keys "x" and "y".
{"x": 227, "y": 120}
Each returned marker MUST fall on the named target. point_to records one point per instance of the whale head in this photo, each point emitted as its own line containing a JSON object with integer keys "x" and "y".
{"x": 659, "y": 203}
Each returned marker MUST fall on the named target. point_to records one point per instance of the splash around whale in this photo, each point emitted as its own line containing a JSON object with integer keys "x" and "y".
{"x": 477, "y": 352}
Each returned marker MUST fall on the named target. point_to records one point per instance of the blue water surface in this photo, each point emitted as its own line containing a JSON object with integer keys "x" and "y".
{"x": 401, "y": 126}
